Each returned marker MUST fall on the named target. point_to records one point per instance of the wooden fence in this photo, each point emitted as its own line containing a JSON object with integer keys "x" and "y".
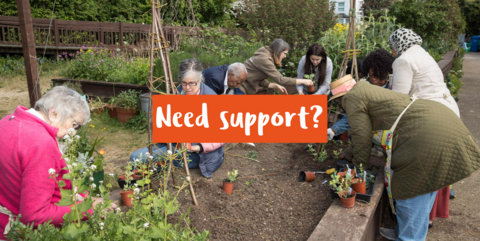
{"x": 71, "y": 35}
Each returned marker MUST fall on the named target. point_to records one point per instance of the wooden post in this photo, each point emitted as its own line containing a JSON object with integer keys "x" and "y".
{"x": 121, "y": 34}
{"x": 56, "y": 35}
{"x": 193, "y": 14}
{"x": 29, "y": 53}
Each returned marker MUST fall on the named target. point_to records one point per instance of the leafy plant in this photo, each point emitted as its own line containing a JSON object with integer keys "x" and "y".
{"x": 129, "y": 99}
{"x": 339, "y": 186}
{"x": 251, "y": 155}
{"x": 336, "y": 153}
{"x": 232, "y": 176}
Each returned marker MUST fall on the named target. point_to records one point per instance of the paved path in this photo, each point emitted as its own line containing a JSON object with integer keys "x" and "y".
{"x": 464, "y": 221}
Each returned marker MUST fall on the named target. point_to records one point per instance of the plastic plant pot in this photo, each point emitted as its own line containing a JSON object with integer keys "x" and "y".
{"x": 349, "y": 201}
{"x": 127, "y": 201}
{"x": 306, "y": 176}
{"x": 228, "y": 186}
{"x": 359, "y": 187}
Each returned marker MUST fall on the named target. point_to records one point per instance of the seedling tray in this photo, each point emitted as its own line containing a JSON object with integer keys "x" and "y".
{"x": 364, "y": 197}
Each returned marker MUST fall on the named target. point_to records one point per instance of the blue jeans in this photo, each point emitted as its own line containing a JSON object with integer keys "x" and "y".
{"x": 160, "y": 149}
{"x": 412, "y": 217}
{"x": 341, "y": 126}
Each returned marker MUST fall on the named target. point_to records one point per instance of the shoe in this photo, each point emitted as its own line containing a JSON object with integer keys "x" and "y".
{"x": 452, "y": 194}
{"x": 388, "y": 233}
{"x": 430, "y": 224}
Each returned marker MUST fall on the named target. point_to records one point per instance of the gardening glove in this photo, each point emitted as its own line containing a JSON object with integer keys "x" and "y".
{"x": 330, "y": 134}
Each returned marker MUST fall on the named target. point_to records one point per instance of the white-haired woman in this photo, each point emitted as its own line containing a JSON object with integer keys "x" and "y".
{"x": 206, "y": 156}
{"x": 263, "y": 65}
{"x": 30, "y": 153}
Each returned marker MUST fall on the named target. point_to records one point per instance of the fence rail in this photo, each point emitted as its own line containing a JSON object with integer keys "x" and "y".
{"x": 64, "y": 35}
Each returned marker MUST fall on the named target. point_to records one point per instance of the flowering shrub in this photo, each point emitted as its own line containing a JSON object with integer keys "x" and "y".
{"x": 147, "y": 219}
{"x": 106, "y": 65}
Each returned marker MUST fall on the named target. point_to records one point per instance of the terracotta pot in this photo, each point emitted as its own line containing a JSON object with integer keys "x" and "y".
{"x": 359, "y": 187}
{"x": 127, "y": 201}
{"x": 347, "y": 202}
{"x": 112, "y": 111}
{"x": 311, "y": 89}
{"x": 122, "y": 177}
{"x": 138, "y": 175}
{"x": 228, "y": 186}
{"x": 125, "y": 114}
{"x": 343, "y": 137}
{"x": 306, "y": 177}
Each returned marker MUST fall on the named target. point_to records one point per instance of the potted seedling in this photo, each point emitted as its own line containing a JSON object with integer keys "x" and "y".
{"x": 228, "y": 182}
{"x": 344, "y": 191}
{"x": 112, "y": 107}
{"x": 128, "y": 103}
{"x": 127, "y": 193}
{"x": 311, "y": 89}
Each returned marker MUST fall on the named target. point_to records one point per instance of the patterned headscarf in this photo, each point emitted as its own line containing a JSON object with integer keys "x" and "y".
{"x": 402, "y": 39}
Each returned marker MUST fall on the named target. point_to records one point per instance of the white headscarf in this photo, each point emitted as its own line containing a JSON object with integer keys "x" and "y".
{"x": 402, "y": 39}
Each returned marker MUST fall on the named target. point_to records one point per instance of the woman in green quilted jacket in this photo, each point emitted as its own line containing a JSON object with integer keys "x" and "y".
{"x": 431, "y": 147}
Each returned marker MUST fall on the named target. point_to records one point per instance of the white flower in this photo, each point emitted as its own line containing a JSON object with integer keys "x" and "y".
{"x": 98, "y": 195}
{"x": 118, "y": 50}
{"x": 147, "y": 153}
{"x": 93, "y": 186}
{"x": 146, "y": 225}
{"x": 66, "y": 137}
{"x": 169, "y": 152}
{"x": 151, "y": 170}
{"x": 118, "y": 210}
{"x": 101, "y": 227}
{"x": 136, "y": 191}
{"x": 111, "y": 174}
{"x": 136, "y": 160}
{"x": 136, "y": 185}
{"x": 89, "y": 120}
{"x": 93, "y": 167}
{"x": 77, "y": 137}
{"x": 71, "y": 131}
{"x": 51, "y": 171}
{"x": 150, "y": 157}
{"x": 101, "y": 182}
{"x": 91, "y": 179}
{"x": 69, "y": 167}
{"x": 74, "y": 164}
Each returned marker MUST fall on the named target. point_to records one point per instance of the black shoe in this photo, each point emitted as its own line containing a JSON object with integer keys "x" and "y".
{"x": 452, "y": 194}
{"x": 430, "y": 225}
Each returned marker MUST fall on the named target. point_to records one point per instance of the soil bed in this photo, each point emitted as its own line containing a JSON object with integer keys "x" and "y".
{"x": 262, "y": 206}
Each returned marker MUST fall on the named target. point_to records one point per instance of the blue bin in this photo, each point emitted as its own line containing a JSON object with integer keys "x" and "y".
{"x": 474, "y": 43}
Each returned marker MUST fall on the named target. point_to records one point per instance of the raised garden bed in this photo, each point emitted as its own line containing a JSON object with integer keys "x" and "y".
{"x": 101, "y": 88}
{"x": 268, "y": 202}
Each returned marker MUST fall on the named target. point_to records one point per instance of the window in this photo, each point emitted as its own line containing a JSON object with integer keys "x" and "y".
{"x": 341, "y": 7}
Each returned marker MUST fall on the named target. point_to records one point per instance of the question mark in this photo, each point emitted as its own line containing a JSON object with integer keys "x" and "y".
{"x": 317, "y": 113}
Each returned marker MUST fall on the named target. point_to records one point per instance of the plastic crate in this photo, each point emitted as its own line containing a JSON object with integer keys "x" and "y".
{"x": 364, "y": 197}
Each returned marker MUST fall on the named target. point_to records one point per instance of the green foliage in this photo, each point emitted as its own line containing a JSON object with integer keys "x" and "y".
{"x": 232, "y": 176}
{"x": 370, "y": 36}
{"x": 297, "y": 22}
{"x": 471, "y": 13}
{"x": 336, "y": 153}
{"x": 214, "y": 49}
{"x": 106, "y": 65}
{"x": 454, "y": 77}
{"x": 128, "y": 11}
{"x": 129, "y": 99}
{"x": 431, "y": 19}
{"x": 148, "y": 219}
{"x": 251, "y": 155}
{"x": 320, "y": 157}
{"x": 376, "y": 8}
{"x": 138, "y": 123}
{"x": 15, "y": 65}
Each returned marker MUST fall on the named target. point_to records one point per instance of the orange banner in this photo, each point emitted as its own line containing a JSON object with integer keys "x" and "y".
{"x": 240, "y": 118}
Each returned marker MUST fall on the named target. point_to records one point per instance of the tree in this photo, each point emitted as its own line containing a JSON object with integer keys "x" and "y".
{"x": 299, "y": 22}
{"x": 471, "y": 13}
{"x": 375, "y": 7}
{"x": 434, "y": 20}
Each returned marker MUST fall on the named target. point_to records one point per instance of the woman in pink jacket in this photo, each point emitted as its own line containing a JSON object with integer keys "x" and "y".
{"x": 206, "y": 156}
{"x": 30, "y": 151}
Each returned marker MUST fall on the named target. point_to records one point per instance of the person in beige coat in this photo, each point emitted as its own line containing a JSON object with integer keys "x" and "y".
{"x": 263, "y": 65}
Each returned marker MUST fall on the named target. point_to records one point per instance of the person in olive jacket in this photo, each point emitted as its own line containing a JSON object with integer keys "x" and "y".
{"x": 431, "y": 148}
{"x": 263, "y": 65}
